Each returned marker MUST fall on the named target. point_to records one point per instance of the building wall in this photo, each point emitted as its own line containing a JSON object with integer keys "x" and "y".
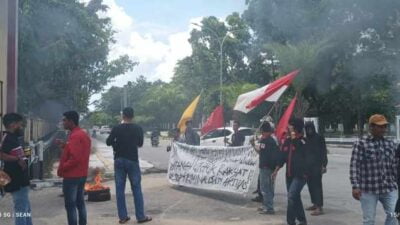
{"x": 3, "y": 51}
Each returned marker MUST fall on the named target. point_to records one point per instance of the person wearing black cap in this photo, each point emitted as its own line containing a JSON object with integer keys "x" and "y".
{"x": 269, "y": 162}
{"x": 294, "y": 156}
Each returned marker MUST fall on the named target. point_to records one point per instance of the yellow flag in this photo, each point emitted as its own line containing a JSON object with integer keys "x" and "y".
{"x": 188, "y": 114}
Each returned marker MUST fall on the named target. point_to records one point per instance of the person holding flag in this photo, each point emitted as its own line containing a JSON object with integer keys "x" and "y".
{"x": 294, "y": 150}
{"x": 191, "y": 136}
{"x": 185, "y": 124}
{"x": 269, "y": 163}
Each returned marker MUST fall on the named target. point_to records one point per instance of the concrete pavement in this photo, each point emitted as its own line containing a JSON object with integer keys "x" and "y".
{"x": 169, "y": 204}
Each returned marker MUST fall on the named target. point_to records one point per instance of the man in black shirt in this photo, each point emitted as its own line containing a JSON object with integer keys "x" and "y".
{"x": 269, "y": 164}
{"x": 237, "y": 138}
{"x": 317, "y": 161}
{"x": 191, "y": 136}
{"x": 125, "y": 139}
{"x": 295, "y": 156}
{"x": 15, "y": 165}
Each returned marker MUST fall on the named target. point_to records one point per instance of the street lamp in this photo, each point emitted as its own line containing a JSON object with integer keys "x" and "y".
{"x": 221, "y": 45}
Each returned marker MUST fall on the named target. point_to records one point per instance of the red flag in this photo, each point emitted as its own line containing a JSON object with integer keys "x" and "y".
{"x": 215, "y": 120}
{"x": 284, "y": 121}
{"x": 277, "y": 86}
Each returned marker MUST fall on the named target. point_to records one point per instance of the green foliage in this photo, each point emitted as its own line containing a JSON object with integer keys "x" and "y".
{"x": 63, "y": 53}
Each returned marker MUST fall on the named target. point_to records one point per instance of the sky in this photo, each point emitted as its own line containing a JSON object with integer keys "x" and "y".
{"x": 155, "y": 33}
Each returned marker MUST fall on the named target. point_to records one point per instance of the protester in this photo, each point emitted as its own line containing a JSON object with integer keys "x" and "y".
{"x": 237, "y": 137}
{"x": 15, "y": 165}
{"x": 373, "y": 172}
{"x": 176, "y": 136}
{"x": 126, "y": 138}
{"x": 294, "y": 152}
{"x": 317, "y": 161}
{"x": 73, "y": 168}
{"x": 269, "y": 162}
{"x": 397, "y": 208}
{"x": 191, "y": 136}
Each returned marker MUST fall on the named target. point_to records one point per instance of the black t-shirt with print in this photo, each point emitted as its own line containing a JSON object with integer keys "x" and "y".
{"x": 19, "y": 178}
{"x": 269, "y": 153}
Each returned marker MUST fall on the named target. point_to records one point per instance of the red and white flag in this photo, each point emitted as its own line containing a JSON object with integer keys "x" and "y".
{"x": 270, "y": 92}
{"x": 284, "y": 121}
{"x": 215, "y": 120}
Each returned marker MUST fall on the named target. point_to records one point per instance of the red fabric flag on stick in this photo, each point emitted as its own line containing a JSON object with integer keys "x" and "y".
{"x": 215, "y": 120}
{"x": 284, "y": 121}
{"x": 278, "y": 86}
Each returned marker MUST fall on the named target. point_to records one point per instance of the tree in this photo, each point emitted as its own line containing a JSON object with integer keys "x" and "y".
{"x": 63, "y": 53}
{"x": 348, "y": 75}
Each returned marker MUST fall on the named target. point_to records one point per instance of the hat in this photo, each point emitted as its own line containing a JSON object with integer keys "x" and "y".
{"x": 266, "y": 127}
{"x": 378, "y": 119}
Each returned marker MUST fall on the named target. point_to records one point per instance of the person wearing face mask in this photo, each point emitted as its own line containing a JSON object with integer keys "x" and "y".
{"x": 15, "y": 165}
{"x": 294, "y": 154}
{"x": 317, "y": 161}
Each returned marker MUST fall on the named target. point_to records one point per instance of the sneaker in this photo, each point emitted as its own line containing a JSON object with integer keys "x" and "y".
{"x": 317, "y": 212}
{"x": 302, "y": 223}
{"x": 311, "y": 208}
{"x": 255, "y": 192}
{"x": 259, "y": 209}
{"x": 257, "y": 199}
{"x": 267, "y": 212}
{"x": 123, "y": 221}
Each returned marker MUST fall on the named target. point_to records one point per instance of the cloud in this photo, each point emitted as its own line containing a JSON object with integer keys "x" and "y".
{"x": 142, "y": 42}
{"x": 157, "y": 58}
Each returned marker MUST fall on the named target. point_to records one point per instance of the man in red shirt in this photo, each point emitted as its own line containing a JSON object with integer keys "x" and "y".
{"x": 74, "y": 164}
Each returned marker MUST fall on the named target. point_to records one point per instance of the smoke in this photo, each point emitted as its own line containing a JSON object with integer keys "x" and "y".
{"x": 50, "y": 110}
{"x": 359, "y": 37}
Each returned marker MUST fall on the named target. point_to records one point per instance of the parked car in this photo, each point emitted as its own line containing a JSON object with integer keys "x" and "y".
{"x": 105, "y": 129}
{"x": 216, "y": 137}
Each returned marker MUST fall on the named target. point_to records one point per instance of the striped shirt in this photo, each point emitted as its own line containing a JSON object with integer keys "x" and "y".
{"x": 373, "y": 165}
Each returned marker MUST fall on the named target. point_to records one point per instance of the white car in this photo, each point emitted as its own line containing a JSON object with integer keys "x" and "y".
{"x": 105, "y": 129}
{"x": 216, "y": 137}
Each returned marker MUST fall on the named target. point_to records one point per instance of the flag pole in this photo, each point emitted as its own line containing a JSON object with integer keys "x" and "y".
{"x": 261, "y": 123}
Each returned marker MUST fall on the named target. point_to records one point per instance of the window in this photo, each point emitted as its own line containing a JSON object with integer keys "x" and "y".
{"x": 246, "y": 132}
{"x": 217, "y": 134}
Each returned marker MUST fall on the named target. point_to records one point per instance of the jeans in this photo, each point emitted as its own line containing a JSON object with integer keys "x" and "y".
{"x": 122, "y": 169}
{"x": 295, "y": 208}
{"x": 368, "y": 206}
{"x": 22, "y": 206}
{"x": 74, "y": 200}
{"x": 314, "y": 183}
{"x": 267, "y": 188}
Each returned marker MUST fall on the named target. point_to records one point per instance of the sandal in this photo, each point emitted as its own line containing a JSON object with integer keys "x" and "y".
{"x": 124, "y": 220}
{"x": 147, "y": 219}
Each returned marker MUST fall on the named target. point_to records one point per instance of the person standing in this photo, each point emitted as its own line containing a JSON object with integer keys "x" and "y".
{"x": 237, "y": 137}
{"x": 73, "y": 168}
{"x": 294, "y": 156}
{"x": 373, "y": 172}
{"x": 191, "y": 137}
{"x": 15, "y": 165}
{"x": 269, "y": 163}
{"x": 317, "y": 161}
{"x": 125, "y": 139}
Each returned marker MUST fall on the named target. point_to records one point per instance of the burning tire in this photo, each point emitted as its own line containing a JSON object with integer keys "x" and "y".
{"x": 97, "y": 192}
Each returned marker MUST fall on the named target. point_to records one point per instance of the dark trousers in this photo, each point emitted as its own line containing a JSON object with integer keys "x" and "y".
{"x": 314, "y": 183}
{"x": 295, "y": 208}
{"x": 397, "y": 209}
{"x": 74, "y": 200}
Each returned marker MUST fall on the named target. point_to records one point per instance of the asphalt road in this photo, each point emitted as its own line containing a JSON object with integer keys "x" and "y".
{"x": 340, "y": 208}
